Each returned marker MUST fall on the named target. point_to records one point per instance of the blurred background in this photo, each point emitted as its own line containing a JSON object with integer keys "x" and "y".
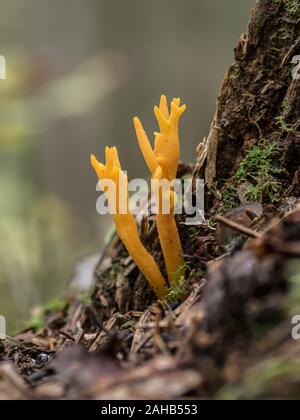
{"x": 77, "y": 72}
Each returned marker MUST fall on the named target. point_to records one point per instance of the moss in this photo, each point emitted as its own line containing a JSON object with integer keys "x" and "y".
{"x": 257, "y": 162}
{"x": 225, "y": 192}
{"x": 258, "y": 165}
{"x": 292, "y": 7}
{"x": 193, "y": 232}
{"x": 177, "y": 293}
{"x": 230, "y": 199}
{"x": 36, "y": 323}
{"x": 285, "y": 106}
{"x": 275, "y": 53}
{"x": 283, "y": 125}
{"x": 85, "y": 297}
{"x": 286, "y": 32}
{"x": 56, "y": 305}
{"x": 269, "y": 189}
{"x": 212, "y": 224}
{"x": 115, "y": 269}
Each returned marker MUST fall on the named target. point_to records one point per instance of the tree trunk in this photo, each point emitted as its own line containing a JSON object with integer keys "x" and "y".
{"x": 259, "y": 100}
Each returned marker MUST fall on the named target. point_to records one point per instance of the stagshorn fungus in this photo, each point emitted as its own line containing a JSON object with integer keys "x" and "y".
{"x": 162, "y": 161}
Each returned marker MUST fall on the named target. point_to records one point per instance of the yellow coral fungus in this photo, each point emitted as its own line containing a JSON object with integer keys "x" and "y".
{"x": 166, "y": 149}
{"x": 125, "y": 222}
{"x": 162, "y": 162}
{"x": 168, "y": 232}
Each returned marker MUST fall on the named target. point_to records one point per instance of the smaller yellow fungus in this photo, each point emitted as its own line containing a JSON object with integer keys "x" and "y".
{"x": 125, "y": 221}
{"x": 162, "y": 161}
{"x": 168, "y": 232}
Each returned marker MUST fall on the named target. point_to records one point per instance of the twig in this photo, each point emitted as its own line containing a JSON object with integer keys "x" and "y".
{"x": 160, "y": 343}
{"x": 290, "y": 52}
{"x": 236, "y": 226}
{"x": 13, "y": 341}
{"x": 67, "y": 335}
{"x": 106, "y": 332}
{"x": 79, "y": 336}
{"x": 140, "y": 338}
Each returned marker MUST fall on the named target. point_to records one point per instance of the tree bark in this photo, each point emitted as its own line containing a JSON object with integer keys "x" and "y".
{"x": 259, "y": 98}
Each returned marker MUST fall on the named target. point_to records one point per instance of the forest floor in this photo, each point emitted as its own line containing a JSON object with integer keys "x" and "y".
{"x": 224, "y": 333}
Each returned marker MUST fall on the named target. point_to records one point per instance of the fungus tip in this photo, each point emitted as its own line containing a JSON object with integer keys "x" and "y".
{"x": 162, "y": 120}
{"x": 93, "y": 159}
{"x": 163, "y": 105}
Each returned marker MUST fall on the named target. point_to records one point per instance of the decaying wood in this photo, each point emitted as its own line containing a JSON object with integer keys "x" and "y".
{"x": 256, "y": 93}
